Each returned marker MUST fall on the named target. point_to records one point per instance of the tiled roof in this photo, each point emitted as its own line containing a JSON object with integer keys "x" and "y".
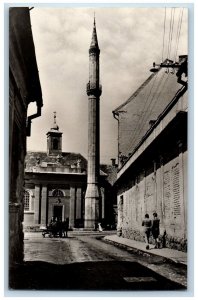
{"x": 145, "y": 105}
{"x": 110, "y": 171}
{"x": 34, "y": 158}
{"x": 38, "y": 161}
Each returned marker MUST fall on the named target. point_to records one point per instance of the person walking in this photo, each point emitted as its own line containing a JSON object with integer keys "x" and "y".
{"x": 65, "y": 227}
{"x": 147, "y": 229}
{"x": 155, "y": 229}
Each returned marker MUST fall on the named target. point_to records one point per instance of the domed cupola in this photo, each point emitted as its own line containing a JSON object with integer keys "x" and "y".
{"x": 54, "y": 139}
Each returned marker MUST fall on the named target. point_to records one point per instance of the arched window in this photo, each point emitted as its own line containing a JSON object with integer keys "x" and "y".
{"x": 57, "y": 193}
{"x": 27, "y": 200}
{"x": 55, "y": 144}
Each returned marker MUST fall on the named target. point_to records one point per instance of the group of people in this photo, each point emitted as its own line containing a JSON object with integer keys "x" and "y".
{"x": 151, "y": 226}
{"x": 59, "y": 227}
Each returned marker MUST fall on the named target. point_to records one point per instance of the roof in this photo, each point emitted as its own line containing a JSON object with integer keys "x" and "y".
{"x": 110, "y": 171}
{"x": 142, "y": 109}
{"x": 66, "y": 159}
{"x": 22, "y": 50}
{"x": 94, "y": 39}
{"x": 67, "y": 162}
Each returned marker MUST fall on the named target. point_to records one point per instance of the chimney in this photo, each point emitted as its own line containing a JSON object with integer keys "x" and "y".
{"x": 151, "y": 123}
{"x": 182, "y": 58}
{"x": 113, "y": 161}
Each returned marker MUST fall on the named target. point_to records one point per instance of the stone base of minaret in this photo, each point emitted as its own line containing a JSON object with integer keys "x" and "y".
{"x": 92, "y": 206}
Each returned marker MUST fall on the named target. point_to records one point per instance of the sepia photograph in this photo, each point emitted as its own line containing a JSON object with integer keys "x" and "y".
{"x": 98, "y": 148}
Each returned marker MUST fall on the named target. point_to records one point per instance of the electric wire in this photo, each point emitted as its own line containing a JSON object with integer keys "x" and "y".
{"x": 164, "y": 33}
{"x": 151, "y": 105}
{"x": 133, "y": 132}
{"x": 179, "y": 32}
{"x": 162, "y": 83}
{"x": 168, "y": 45}
{"x": 140, "y": 124}
{"x": 171, "y": 32}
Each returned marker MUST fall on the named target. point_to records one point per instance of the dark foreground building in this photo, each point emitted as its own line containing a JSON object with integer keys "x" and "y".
{"x": 24, "y": 87}
{"x": 152, "y": 171}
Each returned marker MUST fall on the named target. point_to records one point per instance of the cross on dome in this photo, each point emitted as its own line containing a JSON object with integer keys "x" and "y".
{"x": 55, "y": 126}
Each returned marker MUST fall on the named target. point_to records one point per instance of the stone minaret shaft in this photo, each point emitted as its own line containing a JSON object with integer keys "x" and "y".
{"x": 93, "y": 196}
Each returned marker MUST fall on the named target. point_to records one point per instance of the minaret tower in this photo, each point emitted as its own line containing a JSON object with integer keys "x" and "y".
{"x": 94, "y": 90}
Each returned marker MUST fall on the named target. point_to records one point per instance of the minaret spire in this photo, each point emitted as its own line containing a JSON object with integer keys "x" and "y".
{"x": 94, "y": 40}
{"x": 93, "y": 194}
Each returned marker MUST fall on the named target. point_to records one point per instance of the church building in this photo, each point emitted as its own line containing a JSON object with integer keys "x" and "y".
{"x": 55, "y": 186}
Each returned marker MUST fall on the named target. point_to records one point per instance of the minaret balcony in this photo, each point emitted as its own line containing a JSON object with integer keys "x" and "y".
{"x": 94, "y": 89}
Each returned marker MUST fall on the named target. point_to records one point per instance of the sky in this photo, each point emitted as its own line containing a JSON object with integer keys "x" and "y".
{"x": 130, "y": 40}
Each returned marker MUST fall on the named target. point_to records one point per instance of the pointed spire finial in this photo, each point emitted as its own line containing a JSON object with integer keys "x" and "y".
{"x": 94, "y": 19}
{"x": 55, "y": 126}
{"x": 94, "y": 40}
{"x": 54, "y": 117}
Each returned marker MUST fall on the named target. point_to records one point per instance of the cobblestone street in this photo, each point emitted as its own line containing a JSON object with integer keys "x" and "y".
{"x": 83, "y": 261}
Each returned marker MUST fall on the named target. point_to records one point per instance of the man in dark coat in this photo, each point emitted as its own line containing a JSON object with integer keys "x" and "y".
{"x": 155, "y": 229}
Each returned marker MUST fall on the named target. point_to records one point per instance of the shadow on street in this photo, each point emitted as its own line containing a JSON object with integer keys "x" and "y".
{"x": 95, "y": 276}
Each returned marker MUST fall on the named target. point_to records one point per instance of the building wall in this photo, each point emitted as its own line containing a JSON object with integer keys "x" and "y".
{"x": 163, "y": 191}
{"x": 17, "y": 148}
{"x": 24, "y": 87}
{"x": 72, "y": 201}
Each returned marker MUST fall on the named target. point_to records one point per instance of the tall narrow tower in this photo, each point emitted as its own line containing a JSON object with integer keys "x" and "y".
{"x": 54, "y": 139}
{"x": 94, "y": 90}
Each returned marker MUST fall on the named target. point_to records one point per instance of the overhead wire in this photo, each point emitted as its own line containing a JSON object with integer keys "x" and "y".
{"x": 149, "y": 108}
{"x": 171, "y": 31}
{"x": 152, "y": 102}
{"x": 140, "y": 123}
{"x": 164, "y": 33}
{"x": 168, "y": 45}
{"x": 157, "y": 97}
{"x": 178, "y": 32}
{"x": 133, "y": 132}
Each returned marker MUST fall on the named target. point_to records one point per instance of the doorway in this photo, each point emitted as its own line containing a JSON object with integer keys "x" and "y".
{"x": 58, "y": 210}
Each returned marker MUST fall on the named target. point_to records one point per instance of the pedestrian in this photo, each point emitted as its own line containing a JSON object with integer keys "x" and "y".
{"x": 155, "y": 229}
{"x": 147, "y": 229}
{"x": 59, "y": 227}
{"x": 100, "y": 227}
{"x": 65, "y": 227}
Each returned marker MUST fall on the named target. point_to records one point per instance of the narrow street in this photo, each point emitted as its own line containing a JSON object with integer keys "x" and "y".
{"x": 83, "y": 261}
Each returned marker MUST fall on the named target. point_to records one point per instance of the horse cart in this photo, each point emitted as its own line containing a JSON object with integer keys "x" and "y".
{"x": 55, "y": 229}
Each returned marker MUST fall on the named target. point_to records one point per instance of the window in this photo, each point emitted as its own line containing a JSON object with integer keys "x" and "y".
{"x": 27, "y": 200}
{"x": 55, "y": 144}
{"x": 57, "y": 193}
{"x": 120, "y": 203}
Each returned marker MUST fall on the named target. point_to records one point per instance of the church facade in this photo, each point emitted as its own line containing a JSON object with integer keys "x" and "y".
{"x": 55, "y": 186}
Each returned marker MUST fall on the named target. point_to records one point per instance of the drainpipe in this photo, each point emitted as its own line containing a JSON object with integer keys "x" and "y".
{"x": 116, "y": 116}
{"x": 29, "y": 119}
